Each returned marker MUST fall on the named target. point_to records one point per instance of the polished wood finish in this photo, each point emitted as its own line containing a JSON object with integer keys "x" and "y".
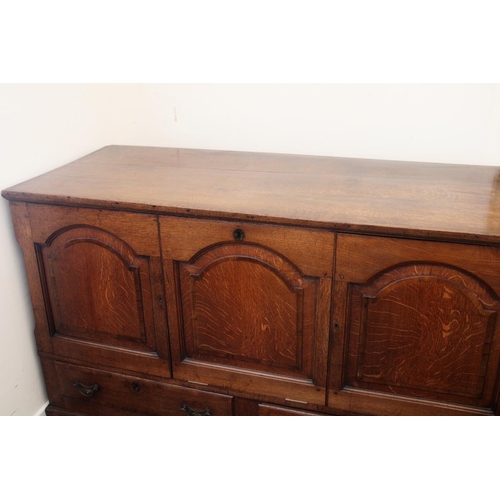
{"x": 373, "y": 196}
{"x": 98, "y": 289}
{"x": 309, "y": 250}
{"x": 373, "y": 254}
{"x": 246, "y": 309}
{"x": 434, "y": 327}
{"x": 263, "y": 284}
{"x": 24, "y": 236}
{"x": 125, "y": 395}
{"x": 138, "y": 231}
{"x": 420, "y": 320}
{"x": 101, "y": 287}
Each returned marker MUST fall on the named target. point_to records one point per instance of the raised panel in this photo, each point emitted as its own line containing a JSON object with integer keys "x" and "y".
{"x": 97, "y": 289}
{"x": 425, "y": 331}
{"x": 247, "y": 316}
{"x": 245, "y": 306}
{"x": 101, "y": 280}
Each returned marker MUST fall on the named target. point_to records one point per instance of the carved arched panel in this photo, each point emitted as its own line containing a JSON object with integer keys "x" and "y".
{"x": 97, "y": 289}
{"x": 422, "y": 330}
{"x": 246, "y": 306}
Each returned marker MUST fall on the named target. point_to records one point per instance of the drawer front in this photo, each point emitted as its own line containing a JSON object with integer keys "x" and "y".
{"x": 96, "y": 392}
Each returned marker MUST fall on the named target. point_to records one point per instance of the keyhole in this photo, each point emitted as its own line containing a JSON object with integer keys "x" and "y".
{"x": 238, "y": 235}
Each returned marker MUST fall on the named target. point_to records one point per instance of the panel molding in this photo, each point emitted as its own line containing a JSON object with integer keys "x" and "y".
{"x": 70, "y": 237}
{"x": 379, "y": 349}
{"x": 192, "y": 277}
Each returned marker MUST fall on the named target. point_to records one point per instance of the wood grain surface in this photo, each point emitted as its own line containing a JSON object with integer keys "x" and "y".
{"x": 98, "y": 288}
{"x": 248, "y": 310}
{"x": 96, "y": 281}
{"x": 125, "y": 395}
{"x": 252, "y": 283}
{"x": 377, "y": 196}
{"x": 423, "y": 330}
{"x": 419, "y": 321}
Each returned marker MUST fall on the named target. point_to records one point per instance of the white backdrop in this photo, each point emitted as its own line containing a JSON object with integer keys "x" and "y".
{"x": 45, "y": 126}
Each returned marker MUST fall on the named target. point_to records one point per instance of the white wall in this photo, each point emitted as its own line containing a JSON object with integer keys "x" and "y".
{"x": 41, "y": 127}
{"x": 45, "y": 126}
{"x": 443, "y": 123}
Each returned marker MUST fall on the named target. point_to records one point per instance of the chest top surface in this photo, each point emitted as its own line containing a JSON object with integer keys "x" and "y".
{"x": 375, "y": 196}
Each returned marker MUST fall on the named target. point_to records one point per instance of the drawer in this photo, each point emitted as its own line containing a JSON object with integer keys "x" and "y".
{"x": 96, "y": 392}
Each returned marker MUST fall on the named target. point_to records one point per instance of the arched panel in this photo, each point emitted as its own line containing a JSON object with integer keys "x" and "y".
{"x": 424, "y": 330}
{"x": 246, "y": 306}
{"x": 97, "y": 288}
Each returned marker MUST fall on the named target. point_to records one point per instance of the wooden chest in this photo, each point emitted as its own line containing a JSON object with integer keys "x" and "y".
{"x": 188, "y": 282}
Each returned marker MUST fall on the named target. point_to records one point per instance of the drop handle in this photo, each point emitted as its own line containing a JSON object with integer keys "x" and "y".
{"x": 194, "y": 413}
{"x": 86, "y": 390}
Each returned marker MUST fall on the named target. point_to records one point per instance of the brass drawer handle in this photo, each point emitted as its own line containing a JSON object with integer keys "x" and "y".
{"x": 86, "y": 390}
{"x": 194, "y": 413}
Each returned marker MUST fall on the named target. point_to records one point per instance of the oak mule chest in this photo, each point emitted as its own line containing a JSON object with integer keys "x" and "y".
{"x": 189, "y": 282}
